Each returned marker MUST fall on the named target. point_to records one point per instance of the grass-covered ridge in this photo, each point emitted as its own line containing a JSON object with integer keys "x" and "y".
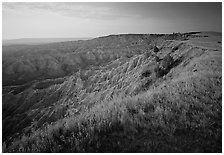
{"x": 164, "y": 102}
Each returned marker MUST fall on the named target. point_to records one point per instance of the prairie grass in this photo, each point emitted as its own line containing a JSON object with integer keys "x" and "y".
{"x": 181, "y": 116}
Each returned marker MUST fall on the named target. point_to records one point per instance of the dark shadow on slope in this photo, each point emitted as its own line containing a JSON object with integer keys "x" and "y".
{"x": 158, "y": 70}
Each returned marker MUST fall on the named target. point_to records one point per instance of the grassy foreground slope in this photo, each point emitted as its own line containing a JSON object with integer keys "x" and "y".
{"x": 173, "y": 104}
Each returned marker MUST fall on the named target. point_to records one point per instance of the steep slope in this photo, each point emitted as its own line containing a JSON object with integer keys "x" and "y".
{"x": 152, "y": 101}
{"x": 22, "y": 64}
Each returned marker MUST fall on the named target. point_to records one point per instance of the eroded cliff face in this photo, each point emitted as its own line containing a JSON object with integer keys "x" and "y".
{"x": 60, "y": 59}
{"x": 22, "y": 64}
{"x": 109, "y": 71}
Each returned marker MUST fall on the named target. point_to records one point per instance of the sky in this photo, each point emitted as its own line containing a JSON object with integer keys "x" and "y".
{"x": 77, "y": 20}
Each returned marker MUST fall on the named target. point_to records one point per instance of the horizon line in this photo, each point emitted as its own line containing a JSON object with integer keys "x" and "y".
{"x": 102, "y": 35}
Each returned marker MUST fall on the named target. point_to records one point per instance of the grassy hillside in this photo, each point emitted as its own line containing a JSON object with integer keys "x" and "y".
{"x": 164, "y": 100}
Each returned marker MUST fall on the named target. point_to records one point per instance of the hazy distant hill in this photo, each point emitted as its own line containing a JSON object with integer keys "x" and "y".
{"x": 37, "y": 41}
